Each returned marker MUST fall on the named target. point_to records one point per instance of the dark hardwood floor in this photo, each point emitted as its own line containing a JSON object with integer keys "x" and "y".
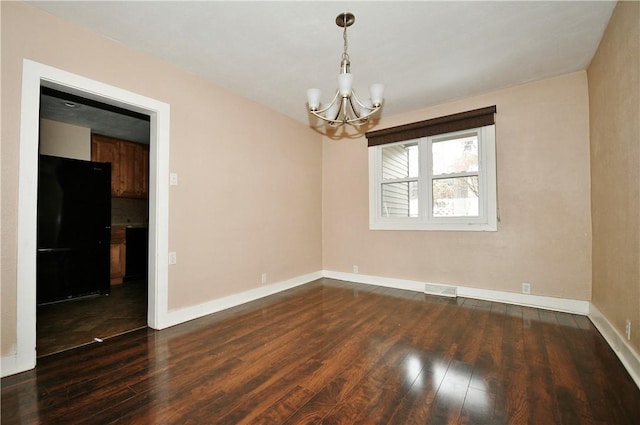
{"x": 333, "y": 352}
{"x": 77, "y": 322}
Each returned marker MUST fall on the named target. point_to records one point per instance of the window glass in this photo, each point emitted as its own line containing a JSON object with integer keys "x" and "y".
{"x": 400, "y": 161}
{"x": 455, "y": 156}
{"x": 400, "y": 199}
{"x": 456, "y": 197}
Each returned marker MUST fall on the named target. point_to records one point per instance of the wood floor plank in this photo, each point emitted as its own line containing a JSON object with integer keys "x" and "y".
{"x": 447, "y": 406}
{"x": 515, "y": 376}
{"x": 570, "y": 395}
{"x": 472, "y": 336}
{"x": 334, "y": 352}
{"x": 565, "y": 319}
{"x": 486, "y": 370}
{"x": 594, "y": 379}
{"x": 541, "y": 390}
{"x": 278, "y": 412}
{"x": 478, "y": 408}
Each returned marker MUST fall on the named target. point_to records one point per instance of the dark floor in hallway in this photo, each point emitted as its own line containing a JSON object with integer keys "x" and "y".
{"x": 73, "y": 323}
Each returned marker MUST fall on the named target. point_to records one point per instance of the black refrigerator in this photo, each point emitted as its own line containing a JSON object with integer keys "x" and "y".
{"x": 74, "y": 229}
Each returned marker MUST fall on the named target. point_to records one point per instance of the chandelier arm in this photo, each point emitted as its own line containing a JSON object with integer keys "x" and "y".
{"x": 332, "y": 121}
{"x": 362, "y": 120}
{"x": 326, "y": 108}
{"x": 323, "y": 118}
{"x": 355, "y": 112}
{"x": 371, "y": 109}
{"x": 358, "y": 118}
{"x": 340, "y": 115}
{"x": 355, "y": 121}
{"x": 355, "y": 97}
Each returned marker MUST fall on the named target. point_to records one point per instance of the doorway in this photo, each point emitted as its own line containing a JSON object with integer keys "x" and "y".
{"x": 90, "y": 221}
{"x": 34, "y": 76}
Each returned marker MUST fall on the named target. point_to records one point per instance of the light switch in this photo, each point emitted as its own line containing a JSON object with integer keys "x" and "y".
{"x": 173, "y": 179}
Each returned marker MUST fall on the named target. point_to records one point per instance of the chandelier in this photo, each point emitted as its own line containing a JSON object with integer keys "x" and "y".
{"x": 345, "y": 108}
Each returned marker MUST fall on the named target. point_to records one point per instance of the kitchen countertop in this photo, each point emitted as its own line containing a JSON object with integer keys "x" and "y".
{"x": 131, "y": 225}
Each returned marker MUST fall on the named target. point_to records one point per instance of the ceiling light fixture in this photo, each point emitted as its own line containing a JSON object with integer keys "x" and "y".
{"x": 345, "y": 108}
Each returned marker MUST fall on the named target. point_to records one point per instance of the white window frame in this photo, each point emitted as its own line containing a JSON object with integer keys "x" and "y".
{"x": 486, "y": 220}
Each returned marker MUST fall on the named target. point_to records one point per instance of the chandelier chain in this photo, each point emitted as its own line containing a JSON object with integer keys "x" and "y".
{"x": 345, "y": 55}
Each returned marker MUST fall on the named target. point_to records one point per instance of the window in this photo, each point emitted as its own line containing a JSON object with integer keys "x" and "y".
{"x": 438, "y": 182}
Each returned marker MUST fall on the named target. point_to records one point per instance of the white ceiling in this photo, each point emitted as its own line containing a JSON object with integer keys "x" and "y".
{"x": 425, "y": 53}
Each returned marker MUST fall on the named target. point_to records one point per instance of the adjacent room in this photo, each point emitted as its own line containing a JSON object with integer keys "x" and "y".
{"x": 92, "y": 257}
{"x": 320, "y": 212}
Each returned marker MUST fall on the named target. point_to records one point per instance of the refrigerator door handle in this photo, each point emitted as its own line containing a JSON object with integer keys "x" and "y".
{"x": 54, "y": 249}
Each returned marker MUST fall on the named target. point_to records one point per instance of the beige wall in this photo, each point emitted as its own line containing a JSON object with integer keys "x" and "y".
{"x": 614, "y": 101}
{"x": 544, "y": 236}
{"x": 65, "y": 140}
{"x": 249, "y": 199}
{"x": 269, "y": 197}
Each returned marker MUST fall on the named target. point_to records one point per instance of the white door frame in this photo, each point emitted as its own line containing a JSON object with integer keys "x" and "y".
{"x": 33, "y": 76}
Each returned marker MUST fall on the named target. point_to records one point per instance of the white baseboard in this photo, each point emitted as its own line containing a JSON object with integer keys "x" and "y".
{"x": 625, "y": 352}
{"x": 10, "y": 365}
{"x": 565, "y": 305}
{"x": 537, "y": 301}
{"x": 176, "y": 317}
{"x": 389, "y": 282}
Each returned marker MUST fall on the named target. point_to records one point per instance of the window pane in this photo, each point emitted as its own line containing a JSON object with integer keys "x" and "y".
{"x": 400, "y": 161}
{"x": 457, "y": 197}
{"x": 455, "y": 156}
{"x": 400, "y": 199}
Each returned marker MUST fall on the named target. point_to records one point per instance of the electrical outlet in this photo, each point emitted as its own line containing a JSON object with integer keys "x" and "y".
{"x": 355, "y": 269}
{"x": 264, "y": 278}
{"x": 526, "y": 288}
{"x": 172, "y": 258}
{"x": 627, "y": 329}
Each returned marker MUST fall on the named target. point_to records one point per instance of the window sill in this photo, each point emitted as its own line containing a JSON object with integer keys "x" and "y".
{"x": 449, "y": 227}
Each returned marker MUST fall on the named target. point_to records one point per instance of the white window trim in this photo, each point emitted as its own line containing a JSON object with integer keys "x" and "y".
{"x": 488, "y": 218}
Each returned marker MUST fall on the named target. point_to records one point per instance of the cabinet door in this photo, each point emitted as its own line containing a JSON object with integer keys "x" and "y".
{"x": 134, "y": 170}
{"x": 118, "y": 254}
{"x": 118, "y": 258}
{"x": 105, "y": 149}
{"x": 141, "y": 171}
{"x": 128, "y": 160}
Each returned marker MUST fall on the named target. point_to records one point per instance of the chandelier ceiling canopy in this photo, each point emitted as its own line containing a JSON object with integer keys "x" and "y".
{"x": 346, "y": 107}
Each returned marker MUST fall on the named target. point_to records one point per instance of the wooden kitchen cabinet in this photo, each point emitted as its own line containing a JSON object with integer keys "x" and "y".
{"x": 129, "y": 165}
{"x": 134, "y": 170}
{"x": 106, "y": 149}
{"x": 118, "y": 254}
